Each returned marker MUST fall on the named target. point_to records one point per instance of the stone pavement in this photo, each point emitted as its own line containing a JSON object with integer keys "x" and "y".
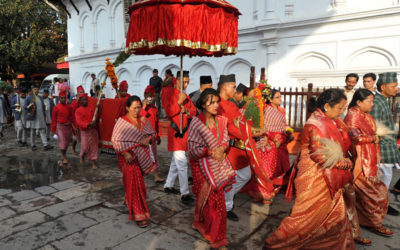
{"x": 45, "y": 207}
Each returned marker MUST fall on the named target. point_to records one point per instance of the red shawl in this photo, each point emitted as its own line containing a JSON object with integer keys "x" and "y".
{"x": 335, "y": 177}
{"x": 127, "y": 137}
{"x": 200, "y": 140}
{"x": 274, "y": 119}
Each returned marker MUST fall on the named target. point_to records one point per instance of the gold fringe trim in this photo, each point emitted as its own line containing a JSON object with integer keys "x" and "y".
{"x": 223, "y": 47}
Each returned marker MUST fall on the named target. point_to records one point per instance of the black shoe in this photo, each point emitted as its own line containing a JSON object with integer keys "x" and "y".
{"x": 48, "y": 147}
{"x": 1, "y": 135}
{"x": 34, "y": 148}
{"x": 48, "y": 138}
{"x": 171, "y": 191}
{"x": 392, "y": 211}
{"x": 24, "y": 144}
{"x": 190, "y": 181}
{"x": 186, "y": 199}
{"x": 19, "y": 143}
{"x": 232, "y": 216}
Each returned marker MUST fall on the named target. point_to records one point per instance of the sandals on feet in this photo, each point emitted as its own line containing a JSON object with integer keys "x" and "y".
{"x": 363, "y": 241}
{"x": 383, "y": 231}
{"x": 142, "y": 223}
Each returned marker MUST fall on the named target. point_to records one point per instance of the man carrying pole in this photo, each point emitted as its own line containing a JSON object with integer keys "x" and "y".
{"x": 179, "y": 110}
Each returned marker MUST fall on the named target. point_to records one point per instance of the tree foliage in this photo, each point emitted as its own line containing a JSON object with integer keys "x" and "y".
{"x": 31, "y": 35}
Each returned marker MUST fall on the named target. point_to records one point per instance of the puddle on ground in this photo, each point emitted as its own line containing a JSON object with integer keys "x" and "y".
{"x": 18, "y": 173}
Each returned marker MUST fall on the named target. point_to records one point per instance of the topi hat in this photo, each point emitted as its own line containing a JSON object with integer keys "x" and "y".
{"x": 385, "y": 78}
{"x": 80, "y": 88}
{"x": 150, "y": 90}
{"x": 241, "y": 88}
{"x": 123, "y": 85}
{"x": 62, "y": 93}
{"x": 205, "y": 80}
{"x": 227, "y": 78}
{"x": 185, "y": 74}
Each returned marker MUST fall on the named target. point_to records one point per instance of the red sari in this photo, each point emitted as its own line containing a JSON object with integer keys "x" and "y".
{"x": 275, "y": 125}
{"x": 318, "y": 219}
{"x": 371, "y": 193}
{"x": 210, "y": 178}
{"x": 126, "y": 137}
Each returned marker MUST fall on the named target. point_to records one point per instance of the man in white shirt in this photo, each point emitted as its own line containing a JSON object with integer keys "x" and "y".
{"x": 95, "y": 82}
{"x": 351, "y": 82}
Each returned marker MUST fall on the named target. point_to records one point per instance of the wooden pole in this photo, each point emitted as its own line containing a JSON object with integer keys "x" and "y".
{"x": 262, "y": 76}
{"x": 252, "y": 76}
{"x": 99, "y": 99}
{"x": 181, "y": 89}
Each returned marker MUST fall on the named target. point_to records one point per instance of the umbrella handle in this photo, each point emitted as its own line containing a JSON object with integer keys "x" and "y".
{"x": 181, "y": 88}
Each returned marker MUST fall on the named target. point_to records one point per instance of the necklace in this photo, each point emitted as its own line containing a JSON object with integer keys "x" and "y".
{"x": 216, "y": 125}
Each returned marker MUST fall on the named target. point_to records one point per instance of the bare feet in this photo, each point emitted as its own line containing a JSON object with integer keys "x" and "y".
{"x": 94, "y": 166}
{"x": 73, "y": 152}
{"x": 157, "y": 178}
{"x": 82, "y": 160}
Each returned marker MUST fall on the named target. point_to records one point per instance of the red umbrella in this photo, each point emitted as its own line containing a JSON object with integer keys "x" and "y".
{"x": 183, "y": 27}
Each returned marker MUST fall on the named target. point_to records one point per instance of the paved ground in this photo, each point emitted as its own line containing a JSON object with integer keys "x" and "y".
{"x": 44, "y": 207}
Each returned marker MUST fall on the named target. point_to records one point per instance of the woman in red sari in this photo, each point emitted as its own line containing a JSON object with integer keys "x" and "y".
{"x": 211, "y": 170}
{"x": 371, "y": 193}
{"x": 132, "y": 141}
{"x": 275, "y": 126}
{"x": 318, "y": 219}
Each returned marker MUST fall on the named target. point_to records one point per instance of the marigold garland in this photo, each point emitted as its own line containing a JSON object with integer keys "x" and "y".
{"x": 111, "y": 73}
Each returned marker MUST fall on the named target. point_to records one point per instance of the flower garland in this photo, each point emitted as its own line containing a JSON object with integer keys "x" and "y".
{"x": 111, "y": 73}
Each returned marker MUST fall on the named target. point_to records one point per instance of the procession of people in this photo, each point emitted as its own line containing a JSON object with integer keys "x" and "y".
{"x": 234, "y": 139}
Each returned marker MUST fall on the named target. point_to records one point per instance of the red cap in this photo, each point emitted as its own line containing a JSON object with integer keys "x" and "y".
{"x": 150, "y": 90}
{"x": 80, "y": 88}
{"x": 62, "y": 93}
{"x": 83, "y": 95}
{"x": 123, "y": 85}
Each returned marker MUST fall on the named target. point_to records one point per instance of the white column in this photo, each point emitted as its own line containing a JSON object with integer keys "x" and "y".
{"x": 271, "y": 52}
{"x": 95, "y": 43}
{"x": 269, "y": 9}
{"x": 82, "y": 39}
{"x": 112, "y": 40}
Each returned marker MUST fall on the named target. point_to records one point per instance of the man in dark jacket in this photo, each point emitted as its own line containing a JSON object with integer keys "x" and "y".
{"x": 36, "y": 118}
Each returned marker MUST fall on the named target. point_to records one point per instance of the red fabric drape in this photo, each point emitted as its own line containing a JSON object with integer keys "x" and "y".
{"x": 110, "y": 111}
{"x": 178, "y": 28}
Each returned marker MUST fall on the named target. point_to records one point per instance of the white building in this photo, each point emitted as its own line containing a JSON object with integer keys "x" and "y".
{"x": 297, "y": 41}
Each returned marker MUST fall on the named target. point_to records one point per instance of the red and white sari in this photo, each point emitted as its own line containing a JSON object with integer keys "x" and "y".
{"x": 210, "y": 178}
{"x": 126, "y": 137}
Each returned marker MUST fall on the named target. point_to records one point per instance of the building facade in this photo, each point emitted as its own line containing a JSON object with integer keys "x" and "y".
{"x": 297, "y": 41}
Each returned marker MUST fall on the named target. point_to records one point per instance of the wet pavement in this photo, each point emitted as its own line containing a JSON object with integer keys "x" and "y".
{"x": 43, "y": 206}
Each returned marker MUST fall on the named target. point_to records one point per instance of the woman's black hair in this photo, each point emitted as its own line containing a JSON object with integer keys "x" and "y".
{"x": 204, "y": 97}
{"x": 273, "y": 93}
{"x": 360, "y": 95}
{"x": 329, "y": 96}
{"x": 132, "y": 99}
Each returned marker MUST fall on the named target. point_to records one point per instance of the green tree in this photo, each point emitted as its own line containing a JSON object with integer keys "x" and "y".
{"x": 31, "y": 35}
